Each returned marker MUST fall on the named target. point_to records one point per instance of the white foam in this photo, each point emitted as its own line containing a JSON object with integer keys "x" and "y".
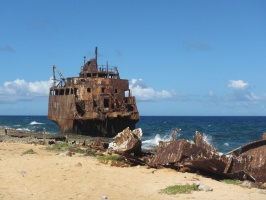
{"x": 153, "y": 142}
{"x": 208, "y": 139}
{"x": 34, "y": 123}
{"x": 23, "y": 129}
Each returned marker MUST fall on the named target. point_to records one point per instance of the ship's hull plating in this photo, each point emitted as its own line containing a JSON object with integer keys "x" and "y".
{"x": 108, "y": 127}
{"x": 63, "y": 112}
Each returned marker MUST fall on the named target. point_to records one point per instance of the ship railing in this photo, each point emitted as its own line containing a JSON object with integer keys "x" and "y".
{"x": 106, "y": 68}
{"x": 130, "y": 100}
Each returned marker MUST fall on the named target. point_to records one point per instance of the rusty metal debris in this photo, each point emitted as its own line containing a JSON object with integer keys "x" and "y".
{"x": 98, "y": 102}
{"x": 244, "y": 163}
{"x": 247, "y": 162}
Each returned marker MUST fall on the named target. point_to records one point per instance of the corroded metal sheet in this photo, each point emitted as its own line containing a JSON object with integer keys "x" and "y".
{"x": 246, "y": 162}
{"x": 173, "y": 152}
{"x": 249, "y": 162}
{"x": 181, "y": 150}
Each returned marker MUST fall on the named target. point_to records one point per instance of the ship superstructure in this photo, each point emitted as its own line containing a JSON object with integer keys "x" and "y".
{"x": 97, "y": 102}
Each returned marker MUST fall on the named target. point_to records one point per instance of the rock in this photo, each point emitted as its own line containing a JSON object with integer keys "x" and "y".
{"x": 203, "y": 187}
{"x": 66, "y": 153}
{"x": 78, "y": 164}
{"x": 247, "y": 184}
{"x": 127, "y": 141}
{"x": 22, "y": 172}
{"x": 104, "y": 197}
{"x": 98, "y": 144}
{"x": 99, "y": 153}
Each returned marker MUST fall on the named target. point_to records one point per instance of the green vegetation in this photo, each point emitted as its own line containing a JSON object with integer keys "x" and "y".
{"x": 231, "y": 181}
{"x": 91, "y": 153}
{"x": 115, "y": 158}
{"x": 58, "y": 147}
{"x": 179, "y": 189}
{"x": 30, "y": 151}
{"x": 81, "y": 151}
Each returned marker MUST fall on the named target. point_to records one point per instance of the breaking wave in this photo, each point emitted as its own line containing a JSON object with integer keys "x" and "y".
{"x": 23, "y": 129}
{"x": 153, "y": 142}
{"x": 208, "y": 139}
{"x": 35, "y": 123}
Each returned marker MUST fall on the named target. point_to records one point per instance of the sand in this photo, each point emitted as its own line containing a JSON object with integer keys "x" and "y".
{"x": 48, "y": 175}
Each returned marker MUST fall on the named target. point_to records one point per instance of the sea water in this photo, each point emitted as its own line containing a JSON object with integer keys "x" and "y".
{"x": 224, "y": 133}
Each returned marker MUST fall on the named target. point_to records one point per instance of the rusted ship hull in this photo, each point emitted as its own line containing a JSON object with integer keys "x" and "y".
{"x": 97, "y": 102}
{"x": 108, "y": 127}
{"x": 91, "y": 125}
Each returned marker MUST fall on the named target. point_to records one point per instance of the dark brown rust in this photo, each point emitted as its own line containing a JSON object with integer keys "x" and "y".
{"x": 97, "y": 102}
{"x": 249, "y": 162}
{"x": 183, "y": 151}
{"x": 246, "y": 162}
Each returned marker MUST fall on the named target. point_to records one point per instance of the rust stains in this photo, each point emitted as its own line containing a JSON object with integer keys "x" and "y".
{"x": 244, "y": 163}
{"x": 97, "y": 102}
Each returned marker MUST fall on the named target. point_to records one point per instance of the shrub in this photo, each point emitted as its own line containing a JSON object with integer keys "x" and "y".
{"x": 179, "y": 189}
{"x": 30, "y": 151}
{"x": 230, "y": 181}
{"x": 58, "y": 147}
{"x": 91, "y": 153}
{"x": 116, "y": 158}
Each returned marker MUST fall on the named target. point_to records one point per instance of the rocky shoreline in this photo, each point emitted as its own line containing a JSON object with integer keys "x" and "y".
{"x": 180, "y": 155}
{"x": 28, "y": 137}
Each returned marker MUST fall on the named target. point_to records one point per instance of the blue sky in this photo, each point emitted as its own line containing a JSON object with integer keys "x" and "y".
{"x": 193, "y": 58}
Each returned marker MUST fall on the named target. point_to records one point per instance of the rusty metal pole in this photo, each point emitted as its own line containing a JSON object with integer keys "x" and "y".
{"x": 44, "y": 136}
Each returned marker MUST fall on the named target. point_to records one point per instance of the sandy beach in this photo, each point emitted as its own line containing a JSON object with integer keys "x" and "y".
{"x": 49, "y": 175}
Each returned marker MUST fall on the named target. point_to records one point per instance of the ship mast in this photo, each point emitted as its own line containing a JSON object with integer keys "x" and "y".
{"x": 96, "y": 55}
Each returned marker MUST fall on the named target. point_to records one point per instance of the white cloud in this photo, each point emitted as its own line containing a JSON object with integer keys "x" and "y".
{"x": 253, "y": 97}
{"x": 20, "y": 90}
{"x": 241, "y": 96}
{"x": 144, "y": 93}
{"x": 237, "y": 84}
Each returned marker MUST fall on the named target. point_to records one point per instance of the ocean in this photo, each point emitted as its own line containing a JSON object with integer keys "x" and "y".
{"x": 224, "y": 133}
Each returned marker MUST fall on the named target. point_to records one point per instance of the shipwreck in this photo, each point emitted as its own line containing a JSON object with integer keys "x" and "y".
{"x": 97, "y": 102}
{"x": 243, "y": 163}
